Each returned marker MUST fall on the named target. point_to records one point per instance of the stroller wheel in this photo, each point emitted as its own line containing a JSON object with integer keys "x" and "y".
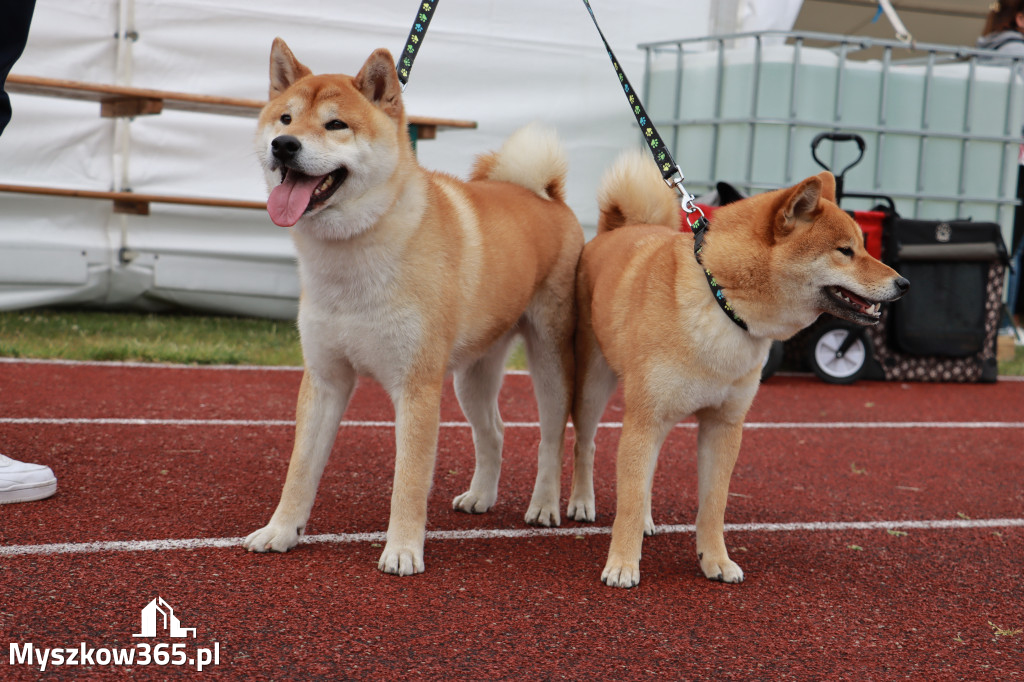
{"x": 836, "y": 357}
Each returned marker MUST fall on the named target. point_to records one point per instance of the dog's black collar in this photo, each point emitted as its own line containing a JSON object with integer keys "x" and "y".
{"x": 700, "y": 228}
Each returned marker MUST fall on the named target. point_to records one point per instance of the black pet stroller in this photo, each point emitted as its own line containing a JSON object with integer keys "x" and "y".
{"x": 944, "y": 329}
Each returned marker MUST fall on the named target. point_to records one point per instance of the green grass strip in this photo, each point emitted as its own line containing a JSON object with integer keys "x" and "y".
{"x": 185, "y": 339}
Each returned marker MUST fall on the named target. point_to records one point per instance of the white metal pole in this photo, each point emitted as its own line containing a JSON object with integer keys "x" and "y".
{"x": 902, "y": 34}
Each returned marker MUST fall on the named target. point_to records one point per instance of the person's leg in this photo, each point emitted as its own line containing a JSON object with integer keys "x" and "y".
{"x": 1014, "y": 299}
{"x": 19, "y": 481}
{"x": 14, "y": 23}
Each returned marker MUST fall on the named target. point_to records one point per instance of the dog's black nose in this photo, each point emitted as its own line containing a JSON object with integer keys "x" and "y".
{"x": 285, "y": 147}
{"x": 902, "y": 283}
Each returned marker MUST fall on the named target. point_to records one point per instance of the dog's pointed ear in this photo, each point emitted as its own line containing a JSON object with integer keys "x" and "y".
{"x": 828, "y": 185}
{"x": 285, "y": 69}
{"x": 378, "y": 81}
{"x": 800, "y": 204}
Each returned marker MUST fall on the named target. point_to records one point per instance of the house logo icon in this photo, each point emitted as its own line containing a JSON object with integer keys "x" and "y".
{"x": 170, "y": 623}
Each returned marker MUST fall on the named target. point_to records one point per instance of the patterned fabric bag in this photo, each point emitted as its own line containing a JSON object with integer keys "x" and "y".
{"x": 945, "y": 328}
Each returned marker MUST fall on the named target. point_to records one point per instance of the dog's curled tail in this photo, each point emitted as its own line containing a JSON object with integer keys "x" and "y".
{"x": 531, "y": 157}
{"x": 633, "y": 193}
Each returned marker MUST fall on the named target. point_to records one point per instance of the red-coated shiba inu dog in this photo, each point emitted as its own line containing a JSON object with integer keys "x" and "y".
{"x": 687, "y": 337}
{"x": 408, "y": 275}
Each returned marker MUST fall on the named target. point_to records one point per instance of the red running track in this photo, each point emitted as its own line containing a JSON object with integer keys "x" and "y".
{"x": 879, "y": 525}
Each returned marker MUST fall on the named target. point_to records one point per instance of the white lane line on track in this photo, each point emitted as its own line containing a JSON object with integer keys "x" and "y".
{"x": 58, "y": 421}
{"x": 505, "y": 534}
{"x": 269, "y": 368}
{"x": 114, "y": 364}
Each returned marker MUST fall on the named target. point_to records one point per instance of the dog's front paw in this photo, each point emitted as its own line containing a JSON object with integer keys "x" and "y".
{"x": 274, "y": 537}
{"x": 543, "y": 514}
{"x": 543, "y": 509}
{"x": 401, "y": 560}
{"x": 581, "y": 508}
{"x": 649, "y": 527}
{"x": 720, "y": 569}
{"x": 621, "y": 574}
{"x": 472, "y": 502}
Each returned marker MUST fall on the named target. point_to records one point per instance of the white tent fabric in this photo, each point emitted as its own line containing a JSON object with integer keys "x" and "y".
{"x": 497, "y": 63}
{"x": 767, "y": 15}
{"x": 753, "y": 16}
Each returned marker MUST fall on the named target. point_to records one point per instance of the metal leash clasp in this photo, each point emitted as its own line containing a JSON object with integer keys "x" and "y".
{"x": 686, "y": 200}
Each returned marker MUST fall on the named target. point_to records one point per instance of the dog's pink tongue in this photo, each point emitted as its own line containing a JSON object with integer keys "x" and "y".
{"x": 288, "y": 201}
{"x": 856, "y": 300}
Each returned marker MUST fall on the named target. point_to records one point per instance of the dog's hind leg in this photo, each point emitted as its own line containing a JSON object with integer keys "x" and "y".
{"x": 320, "y": 407}
{"x": 549, "y": 339}
{"x": 649, "y": 527}
{"x": 595, "y": 383}
{"x": 477, "y": 388}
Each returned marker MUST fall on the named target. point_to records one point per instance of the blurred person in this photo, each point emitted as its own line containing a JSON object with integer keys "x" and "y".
{"x": 1004, "y": 33}
{"x": 1004, "y": 28}
{"x": 19, "y": 481}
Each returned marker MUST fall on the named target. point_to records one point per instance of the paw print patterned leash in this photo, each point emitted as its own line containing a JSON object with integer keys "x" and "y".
{"x": 700, "y": 228}
{"x": 670, "y": 171}
{"x": 415, "y": 40}
{"x": 672, "y": 175}
{"x": 662, "y": 156}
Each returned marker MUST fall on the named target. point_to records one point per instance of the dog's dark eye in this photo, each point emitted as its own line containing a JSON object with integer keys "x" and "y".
{"x": 846, "y": 251}
{"x": 336, "y": 125}
{"x": 286, "y": 119}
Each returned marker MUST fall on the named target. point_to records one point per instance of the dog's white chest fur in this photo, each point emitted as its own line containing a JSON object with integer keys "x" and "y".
{"x": 352, "y": 309}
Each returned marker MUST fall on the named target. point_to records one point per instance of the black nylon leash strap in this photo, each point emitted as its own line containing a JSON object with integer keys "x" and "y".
{"x": 415, "y": 40}
{"x": 662, "y": 156}
{"x": 700, "y": 229}
{"x": 669, "y": 171}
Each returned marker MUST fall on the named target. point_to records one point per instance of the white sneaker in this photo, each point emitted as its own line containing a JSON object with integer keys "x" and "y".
{"x": 21, "y": 482}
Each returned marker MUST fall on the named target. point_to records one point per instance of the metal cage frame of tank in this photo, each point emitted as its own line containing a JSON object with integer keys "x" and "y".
{"x": 707, "y": 129}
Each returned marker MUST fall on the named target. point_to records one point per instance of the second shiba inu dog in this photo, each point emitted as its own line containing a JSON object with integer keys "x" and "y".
{"x": 687, "y": 336}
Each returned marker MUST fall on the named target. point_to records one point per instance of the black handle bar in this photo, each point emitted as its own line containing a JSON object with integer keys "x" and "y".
{"x": 838, "y": 137}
